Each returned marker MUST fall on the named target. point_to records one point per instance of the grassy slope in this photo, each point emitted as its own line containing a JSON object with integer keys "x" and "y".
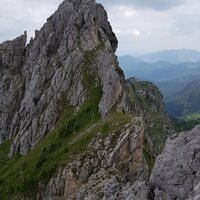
{"x": 22, "y": 174}
{"x": 184, "y": 107}
{"x": 186, "y": 122}
{"x": 70, "y": 136}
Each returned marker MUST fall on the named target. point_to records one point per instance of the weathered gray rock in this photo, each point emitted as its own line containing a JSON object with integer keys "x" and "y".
{"x": 195, "y": 194}
{"x": 160, "y": 195}
{"x": 138, "y": 191}
{"x": 176, "y": 171}
{"x": 12, "y": 53}
{"x": 100, "y": 173}
{"x": 35, "y": 79}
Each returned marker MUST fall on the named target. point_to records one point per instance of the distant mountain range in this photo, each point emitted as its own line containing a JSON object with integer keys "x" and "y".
{"x": 159, "y": 71}
{"x": 173, "y": 56}
{"x": 171, "y": 87}
{"x": 182, "y": 96}
{"x": 175, "y": 72}
{"x": 162, "y": 66}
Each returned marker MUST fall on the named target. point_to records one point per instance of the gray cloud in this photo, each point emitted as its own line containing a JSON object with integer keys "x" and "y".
{"x": 138, "y": 28}
{"x": 153, "y": 4}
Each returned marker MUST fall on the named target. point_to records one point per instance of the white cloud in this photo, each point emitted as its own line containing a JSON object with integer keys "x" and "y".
{"x": 136, "y": 33}
{"x": 129, "y": 13}
{"x": 128, "y": 32}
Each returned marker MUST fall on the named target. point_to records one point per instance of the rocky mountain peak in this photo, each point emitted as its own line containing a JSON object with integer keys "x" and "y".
{"x": 72, "y": 55}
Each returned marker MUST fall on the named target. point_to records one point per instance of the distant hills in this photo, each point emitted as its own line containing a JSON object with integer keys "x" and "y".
{"x": 186, "y": 101}
{"x": 176, "y": 73}
{"x": 173, "y": 56}
{"x": 171, "y": 87}
{"x": 163, "y": 65}
{"x": 159, "y": 71}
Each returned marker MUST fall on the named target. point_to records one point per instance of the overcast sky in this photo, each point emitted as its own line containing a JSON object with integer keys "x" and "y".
{"x": 140, "y": 25}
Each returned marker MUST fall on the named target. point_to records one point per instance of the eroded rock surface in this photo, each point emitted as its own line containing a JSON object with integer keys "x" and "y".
{"x": 12, "y": 53}
{"x": 176, "y": 171}
{"x": 109, "y": 169}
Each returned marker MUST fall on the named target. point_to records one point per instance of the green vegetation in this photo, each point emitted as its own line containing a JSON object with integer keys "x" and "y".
{"x": 185, "y": 102}
{"x": 22, "y": 174}
{"x": 4, "y": 150}
{"x": 105, "y": 128}
{"x": 182, "y": 99}
{"x": 150, "y": 100}
{"x": 190, "y": 117}
{"x": 186, "y": 122}
{"x": 149, "y": 157}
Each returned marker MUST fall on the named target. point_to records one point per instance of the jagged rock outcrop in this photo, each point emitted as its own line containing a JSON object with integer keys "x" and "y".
{"x": 176, "y": 171}
{"x": 115, "y": 167}
{"x": 111, "y": 168}
{"x": 12, "y": 54}
{"x": 36, "y": 79}
{"x": 150, "y": 107}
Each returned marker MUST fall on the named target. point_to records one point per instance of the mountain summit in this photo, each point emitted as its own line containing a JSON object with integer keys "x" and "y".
{"x": 72, "y": 55}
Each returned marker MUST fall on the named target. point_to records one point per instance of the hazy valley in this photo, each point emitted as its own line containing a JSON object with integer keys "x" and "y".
{"x": 177, "y": 80}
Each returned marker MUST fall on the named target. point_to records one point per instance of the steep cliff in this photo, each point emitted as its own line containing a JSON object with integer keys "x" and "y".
{"x": 176, "y": 171}
{"x": 149, "y": 105}
{"x": 12, "y": 55}
{"x": 69, "y": 57}
{"x": 71, "y": 125}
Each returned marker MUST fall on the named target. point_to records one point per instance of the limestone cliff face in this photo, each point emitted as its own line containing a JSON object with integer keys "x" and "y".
{"x": 12, "y": 55}
{"x": 36, "y": 78}
{"x": 176, "y": 171}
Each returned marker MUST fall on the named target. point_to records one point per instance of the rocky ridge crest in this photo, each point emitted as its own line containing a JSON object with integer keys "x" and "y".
{"x": 36, "y": 78}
